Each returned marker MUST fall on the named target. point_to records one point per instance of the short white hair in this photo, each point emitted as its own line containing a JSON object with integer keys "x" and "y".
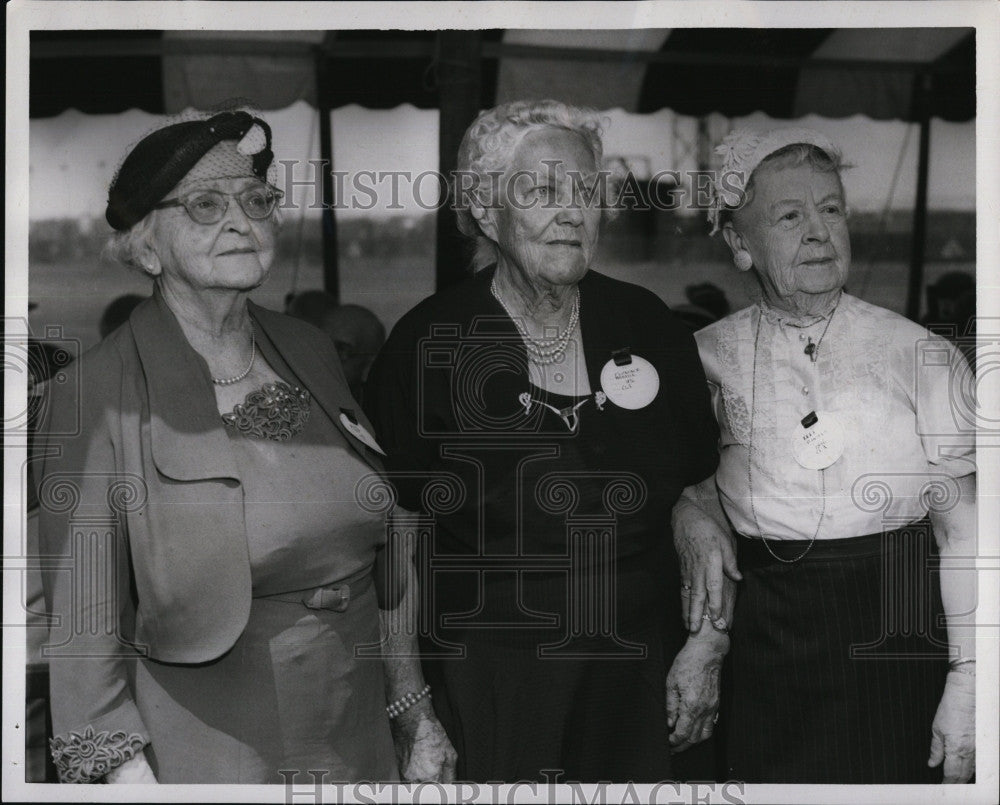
{"x": 487, "y": 149}
{"x": 126, "y": 246}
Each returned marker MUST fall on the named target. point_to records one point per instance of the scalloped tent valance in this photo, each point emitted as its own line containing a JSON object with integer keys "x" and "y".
{"x": 910, "y": 74}
{"x": 782, "y": 72}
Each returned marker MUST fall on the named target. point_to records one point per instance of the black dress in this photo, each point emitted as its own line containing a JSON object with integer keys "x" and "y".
{"x": 550, "y": 580}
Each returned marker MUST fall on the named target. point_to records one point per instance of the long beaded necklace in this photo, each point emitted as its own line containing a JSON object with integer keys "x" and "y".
{"x": 228, "y": 381}
{"x": 543, "y": 351}
{"x": 812, "y": 353}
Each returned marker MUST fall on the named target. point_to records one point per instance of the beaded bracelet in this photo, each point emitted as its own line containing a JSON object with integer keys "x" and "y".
{"x": 405, "y": 702}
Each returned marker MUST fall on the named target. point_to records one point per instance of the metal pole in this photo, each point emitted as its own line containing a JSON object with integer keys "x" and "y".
{"x": 460, "y": 91}
{"x": 922, "y": 112}
{"x": 331, "y": 273}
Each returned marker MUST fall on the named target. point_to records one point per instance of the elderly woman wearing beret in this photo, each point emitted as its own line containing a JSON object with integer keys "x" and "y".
{"x": 212, "y": 571}
{"x": 571, "y": 409}
{"x": 847, "y": 472}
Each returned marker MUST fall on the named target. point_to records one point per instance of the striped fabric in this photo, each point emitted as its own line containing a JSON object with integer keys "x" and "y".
{"x": 838, "y": 661}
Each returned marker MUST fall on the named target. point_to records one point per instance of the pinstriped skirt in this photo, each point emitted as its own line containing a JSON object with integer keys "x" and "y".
{"x": 838, "y": 661}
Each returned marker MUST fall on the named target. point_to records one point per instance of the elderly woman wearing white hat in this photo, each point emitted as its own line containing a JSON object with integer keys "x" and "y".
{"x": 840, "y": 456}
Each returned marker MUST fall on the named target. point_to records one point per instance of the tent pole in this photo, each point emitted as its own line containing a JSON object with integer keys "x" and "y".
{"x": 459, "y": 69}
{"x": 331, "y": 273}
{"x": 915, "y": 289}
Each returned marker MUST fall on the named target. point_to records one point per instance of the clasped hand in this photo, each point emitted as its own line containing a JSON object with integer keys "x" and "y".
{"x": 693, "y": 690}
{"x": 706, "y": 557}
{"x": 423, "y": 750}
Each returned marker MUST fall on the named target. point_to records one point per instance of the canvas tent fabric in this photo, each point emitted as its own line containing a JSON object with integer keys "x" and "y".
{"x": 272, "y": 80}
{"x": 597, "y": 84}
{"x": 784, "y": 73}
{"x": 791, "y": 72}
{"x": 838, "y": 92}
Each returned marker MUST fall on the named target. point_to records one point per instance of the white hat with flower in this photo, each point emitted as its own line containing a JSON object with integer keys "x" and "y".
{"x": 742, "y": 151}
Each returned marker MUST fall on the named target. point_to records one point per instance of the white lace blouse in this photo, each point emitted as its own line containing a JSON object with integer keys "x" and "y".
{"x": 900, "y": 393}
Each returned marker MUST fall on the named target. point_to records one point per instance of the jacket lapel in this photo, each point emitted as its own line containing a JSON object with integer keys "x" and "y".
{"x": 189, "y": 441}
{"x": 320, "y": 372}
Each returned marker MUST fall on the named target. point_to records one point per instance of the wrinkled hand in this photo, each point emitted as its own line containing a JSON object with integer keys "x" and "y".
{"x": 953, "y": 734}
{"x": 693, "y": 690}
{"x": 136, "y": 770}
{"x": 423, "y": 750}
{"x": 706, "y": 554}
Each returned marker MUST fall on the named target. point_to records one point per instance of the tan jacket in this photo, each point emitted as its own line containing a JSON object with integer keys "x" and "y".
{"x": 142, "y": 525}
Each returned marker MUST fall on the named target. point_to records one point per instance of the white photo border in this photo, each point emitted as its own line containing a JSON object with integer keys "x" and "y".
{"x": 26, "y": 15}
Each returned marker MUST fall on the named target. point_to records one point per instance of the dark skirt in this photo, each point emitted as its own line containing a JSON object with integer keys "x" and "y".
{"x": 512, "y": 715}
{"x": 838, "y": 661}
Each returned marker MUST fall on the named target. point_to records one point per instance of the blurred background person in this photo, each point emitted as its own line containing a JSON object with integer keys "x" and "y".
{"x": 951, "y": 311}
{"x": 356, "y": 332}
{"x": 358, "y": 335}
{"x": 708, "y": 297}
{"x": 706, "y": 303}
{"x": 311, "y": 306}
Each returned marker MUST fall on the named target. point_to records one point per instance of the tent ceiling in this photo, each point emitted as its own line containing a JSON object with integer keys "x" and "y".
{"x": 782, "y": 72}
{"x": 273, "y": 81}
{"x": 597, "y": 84}
{"x": 791, "y": 72}
{"x": 740, "y": 81}
{"x": 837, "y": 93}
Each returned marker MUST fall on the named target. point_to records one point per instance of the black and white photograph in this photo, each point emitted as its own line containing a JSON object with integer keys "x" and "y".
{"x": 502, "y": 402}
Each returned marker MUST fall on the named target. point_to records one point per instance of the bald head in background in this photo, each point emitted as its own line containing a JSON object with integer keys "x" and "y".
{"x": 355, "y": 330}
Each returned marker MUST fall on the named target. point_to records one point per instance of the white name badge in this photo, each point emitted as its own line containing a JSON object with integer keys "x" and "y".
{"x": 360, "y": 434}
{"x": 630, "y": 385}
{"x": 818, "y": 440}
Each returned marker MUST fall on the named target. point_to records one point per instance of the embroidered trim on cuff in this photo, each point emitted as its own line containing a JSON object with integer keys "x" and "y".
{"x": 86, "y": 757}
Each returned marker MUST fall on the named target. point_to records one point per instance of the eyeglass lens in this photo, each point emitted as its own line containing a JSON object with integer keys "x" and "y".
{"x": 208, "y": 206}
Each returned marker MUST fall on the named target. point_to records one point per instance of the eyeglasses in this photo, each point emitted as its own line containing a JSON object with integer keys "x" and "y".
{"x": 209, "y": 206}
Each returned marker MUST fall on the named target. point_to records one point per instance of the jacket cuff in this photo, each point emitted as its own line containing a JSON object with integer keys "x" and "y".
{"x": 86, "y": 755}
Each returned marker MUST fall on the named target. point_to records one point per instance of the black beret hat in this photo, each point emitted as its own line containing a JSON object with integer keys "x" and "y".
{"x": 163, "y": 158}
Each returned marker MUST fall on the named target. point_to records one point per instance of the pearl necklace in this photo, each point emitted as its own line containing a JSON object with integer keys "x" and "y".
{"x": 543, "y": 351}
{"x": 228, "y": 381}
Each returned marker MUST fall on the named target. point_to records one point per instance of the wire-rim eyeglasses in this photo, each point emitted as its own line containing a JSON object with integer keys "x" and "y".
{"x": 210, "y": 206}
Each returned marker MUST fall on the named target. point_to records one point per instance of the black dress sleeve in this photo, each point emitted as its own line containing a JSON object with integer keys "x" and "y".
{"x": 390, "y": 403}
{"x": 687, "y": 391}
{"x": 702, "y": 431}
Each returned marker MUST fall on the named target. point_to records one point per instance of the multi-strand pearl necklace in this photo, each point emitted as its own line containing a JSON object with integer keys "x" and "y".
{"x": 543, "y": 351}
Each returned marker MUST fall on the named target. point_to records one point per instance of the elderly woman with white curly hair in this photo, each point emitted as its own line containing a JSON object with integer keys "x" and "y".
{"x": 571, "y": 410}
{"x": 847, "y": 473}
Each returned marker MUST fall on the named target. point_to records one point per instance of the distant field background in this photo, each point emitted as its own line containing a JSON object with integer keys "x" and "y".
{"x": 388, "y": 265}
